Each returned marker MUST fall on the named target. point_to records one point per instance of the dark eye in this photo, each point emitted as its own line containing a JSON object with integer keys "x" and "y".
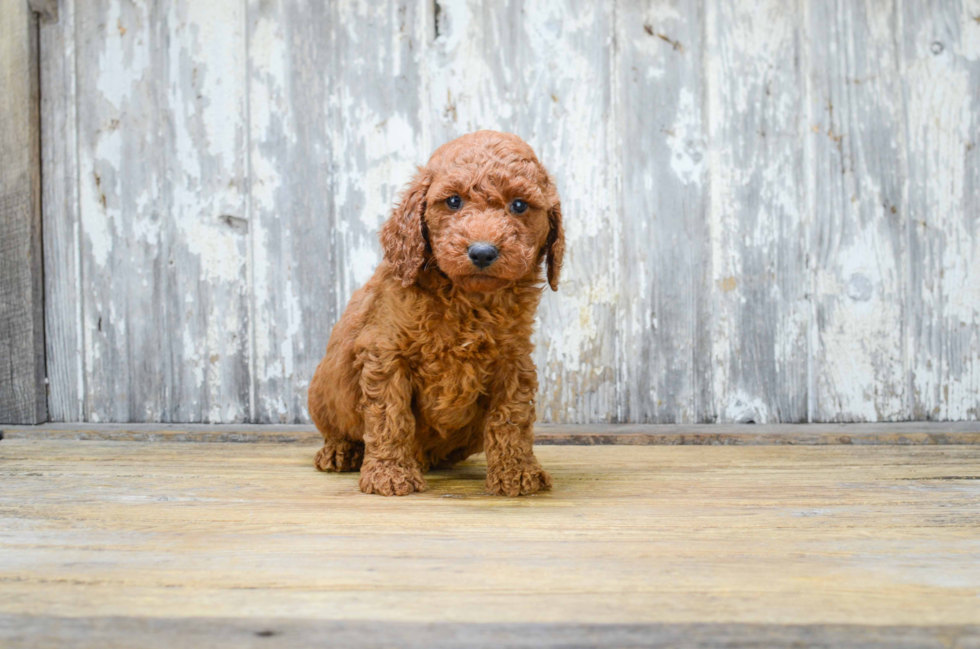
{"x": 454, "y": 203}
{"x": 518, "y": 207}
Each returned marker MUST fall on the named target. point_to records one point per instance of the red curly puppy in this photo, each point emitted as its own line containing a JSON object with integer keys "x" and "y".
{"x": 431, "y": 361}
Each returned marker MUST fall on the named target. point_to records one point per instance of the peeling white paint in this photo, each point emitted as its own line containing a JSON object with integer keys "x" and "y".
{"x": 687, "y": 159}
{"x": 318, "y": 115}
{"x": 364, "y": 260}
{"x": 119, "y": 75}
{"x": 746, "y": 409}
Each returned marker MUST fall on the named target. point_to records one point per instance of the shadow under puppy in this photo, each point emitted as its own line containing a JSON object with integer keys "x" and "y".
{"x": 431, "y": 361}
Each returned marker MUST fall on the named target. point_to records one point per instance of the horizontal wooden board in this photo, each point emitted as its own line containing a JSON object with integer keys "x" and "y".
{"x": 28, "y": 631}
{"x": 906, "y": 433}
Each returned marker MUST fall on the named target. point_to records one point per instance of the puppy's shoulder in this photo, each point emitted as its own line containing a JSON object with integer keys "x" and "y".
{"x": 388, "y": 311}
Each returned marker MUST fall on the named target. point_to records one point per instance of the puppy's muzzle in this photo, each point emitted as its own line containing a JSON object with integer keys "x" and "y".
{"x": 482, "y": 254}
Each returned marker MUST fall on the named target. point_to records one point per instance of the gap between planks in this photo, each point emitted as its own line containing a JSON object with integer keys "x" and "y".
{"x": 899, "y": 433}
{"x": 164, "y": 633}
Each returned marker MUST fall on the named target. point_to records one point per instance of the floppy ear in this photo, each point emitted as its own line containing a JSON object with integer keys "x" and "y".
{"x": 402, "y": 238}
{"x": 555, "y": 246}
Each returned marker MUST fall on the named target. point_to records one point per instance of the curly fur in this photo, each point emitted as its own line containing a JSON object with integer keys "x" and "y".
{"x": 431, "y": 361}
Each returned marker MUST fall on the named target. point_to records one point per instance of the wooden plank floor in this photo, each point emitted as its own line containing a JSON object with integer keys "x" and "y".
{"x": 725, "y": 545}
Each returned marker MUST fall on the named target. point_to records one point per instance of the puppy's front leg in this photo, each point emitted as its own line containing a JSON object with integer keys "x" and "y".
{"x": 512, "y": 469}
{"x": 389, "y": 466}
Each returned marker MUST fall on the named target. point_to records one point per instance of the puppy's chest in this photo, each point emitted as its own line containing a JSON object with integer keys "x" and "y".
{"x": 455, "y": 366}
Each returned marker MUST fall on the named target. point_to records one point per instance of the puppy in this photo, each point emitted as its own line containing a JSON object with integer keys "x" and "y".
{"x": 431, "y": 361}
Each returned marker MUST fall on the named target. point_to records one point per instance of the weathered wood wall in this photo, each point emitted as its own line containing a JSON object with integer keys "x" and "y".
{"x": 22, "y": 387}
{"x": 772, "y": 207}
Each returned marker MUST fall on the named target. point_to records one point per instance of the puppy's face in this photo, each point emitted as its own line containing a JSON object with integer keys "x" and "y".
{"x": 487, "y": 217}
{"x": 488, "y": 213}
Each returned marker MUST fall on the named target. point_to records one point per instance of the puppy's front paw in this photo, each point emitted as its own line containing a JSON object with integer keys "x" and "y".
{"x": 339, "y": 455}
{"x": 518, "y": 479}
{"x": 390, "y": 479}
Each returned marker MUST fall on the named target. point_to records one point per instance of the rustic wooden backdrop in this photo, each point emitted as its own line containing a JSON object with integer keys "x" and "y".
{"x": 772, "y": 206}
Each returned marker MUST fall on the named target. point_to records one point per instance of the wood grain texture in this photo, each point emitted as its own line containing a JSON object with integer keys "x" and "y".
{"x": 693, "y": 535}
{"x": 30, "y": 631}
{"x": 22, "y": 387}
{"x": 665, "y": 292}
{"x": 565, "y": 108}
{"x": 770, "y": 208}
{"x": 901, "y": 433}
{"x": 62, "y": 229}
{"x": 760, "y": 306}
{"x": 858, "y": 249}
{"x": 335, "y": 133}
{"x": 940, "y": 59}
{"x": 161, "y": 170}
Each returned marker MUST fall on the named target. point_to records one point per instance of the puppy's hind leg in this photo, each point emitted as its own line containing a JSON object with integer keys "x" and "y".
{"x": 339, "y": 454}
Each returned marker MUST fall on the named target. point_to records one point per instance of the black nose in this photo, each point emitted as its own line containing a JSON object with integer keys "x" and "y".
{"x": 482, "y": 254}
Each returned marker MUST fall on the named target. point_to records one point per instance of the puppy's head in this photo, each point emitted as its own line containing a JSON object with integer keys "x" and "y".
{"x": 484, "y": 210}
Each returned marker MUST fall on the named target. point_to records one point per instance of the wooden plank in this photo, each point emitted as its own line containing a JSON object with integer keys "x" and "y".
{"x": 940, "y": 59}
{"x": 62, "y": 273}
{"x": 124, "y": 240}
{"x": 665, "y": 348}
{"x": 22, "y": 386}
{"x": 558, "y": 71}
{"x": 857, "y": 241}
{"x": 541, "y": 70}
{"x": 120, "y": 632}
{"x": 905, "y": 433}
{"x": 162, "y": 181}
{"x": 695, "y": 535}
{"x": 207, "y": 160}
{"x": 760, "y": 283}
{"x": 335, "y": 133}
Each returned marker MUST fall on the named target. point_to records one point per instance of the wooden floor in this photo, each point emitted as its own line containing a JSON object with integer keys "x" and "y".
{"x": 223, "y": 544}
